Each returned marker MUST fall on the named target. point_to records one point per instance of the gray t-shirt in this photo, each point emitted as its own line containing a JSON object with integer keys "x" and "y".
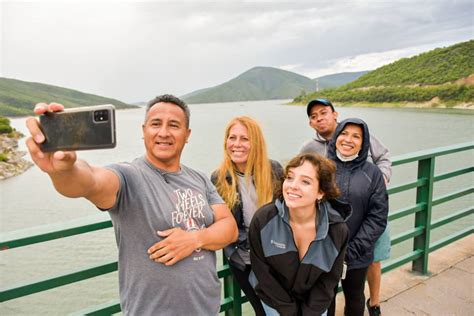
{"x": 248, "y": 195}
{"x": 150, "y": 200}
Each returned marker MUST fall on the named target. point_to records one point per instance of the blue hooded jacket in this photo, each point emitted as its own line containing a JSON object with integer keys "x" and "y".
{"x": 363, "y": 187}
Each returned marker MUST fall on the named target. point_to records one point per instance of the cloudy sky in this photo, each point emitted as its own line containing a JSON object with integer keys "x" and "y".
{"x": 133, "y": 51}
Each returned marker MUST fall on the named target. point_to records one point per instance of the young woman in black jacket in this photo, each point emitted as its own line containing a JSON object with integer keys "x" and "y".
{"x": 246, "y": 180}
{"x": 298, "y": 243}
{"x": 363, "y": 187}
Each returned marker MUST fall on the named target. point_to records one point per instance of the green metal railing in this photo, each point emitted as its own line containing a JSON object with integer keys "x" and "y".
{"x": 422, "y": 209}
{"x": 232, "y": 301}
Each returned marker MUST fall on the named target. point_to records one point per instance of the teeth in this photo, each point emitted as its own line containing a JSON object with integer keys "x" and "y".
{"x": 293, "y": 195}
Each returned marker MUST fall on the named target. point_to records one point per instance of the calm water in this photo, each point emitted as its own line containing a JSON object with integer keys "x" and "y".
{"x": 29, "y": 200}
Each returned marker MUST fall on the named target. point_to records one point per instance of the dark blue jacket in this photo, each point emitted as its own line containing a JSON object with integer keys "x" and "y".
{"x": 363, "y": 187}
{"x": 230, "y": 251}
{"x": 283, "y": 281}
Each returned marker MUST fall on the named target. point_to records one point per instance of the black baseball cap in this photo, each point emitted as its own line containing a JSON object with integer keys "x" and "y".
{"x": 316, "y": 102}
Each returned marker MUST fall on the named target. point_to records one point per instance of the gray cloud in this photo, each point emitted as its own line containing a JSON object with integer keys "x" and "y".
{"x": 134, "y": 51}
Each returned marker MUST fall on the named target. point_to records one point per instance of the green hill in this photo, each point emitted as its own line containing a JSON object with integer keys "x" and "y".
{"x": 445, "y": 75}
{"x": 19, "y": 97}
{"x": 337, "y": 80}
{"x": 259, "y": 83}
{"x": 441, "y": 65}
{"x": 194, "y": 93}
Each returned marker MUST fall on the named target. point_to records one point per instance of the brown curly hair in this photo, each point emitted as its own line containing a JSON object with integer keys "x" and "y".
{"x": 325, "y": 173}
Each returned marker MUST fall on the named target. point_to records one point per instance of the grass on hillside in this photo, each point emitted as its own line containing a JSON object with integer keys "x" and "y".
{"x": 17, "y": 98}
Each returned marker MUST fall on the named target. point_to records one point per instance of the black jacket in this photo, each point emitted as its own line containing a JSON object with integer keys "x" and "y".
{"x": 230, "y": 251}
{"x": 283, "y": 281}
{"x": 363, "y": 187}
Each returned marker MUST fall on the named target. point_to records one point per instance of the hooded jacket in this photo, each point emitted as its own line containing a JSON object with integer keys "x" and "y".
{"x": 362, "y": 186}
{"x": 283, "y": 281}
{"x": 230, "y": 251}
{"x": 378, "y": 153}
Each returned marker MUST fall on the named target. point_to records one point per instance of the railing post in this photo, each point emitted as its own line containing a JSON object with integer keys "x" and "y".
{"x": 424, "y": 194}
{"x": 232, "y": 288}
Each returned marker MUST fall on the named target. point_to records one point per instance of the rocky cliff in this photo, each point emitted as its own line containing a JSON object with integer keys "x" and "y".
{"x": 11, "y": 161}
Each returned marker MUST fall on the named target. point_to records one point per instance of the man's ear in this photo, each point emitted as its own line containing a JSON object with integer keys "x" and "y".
{"x": 188, "y": 134}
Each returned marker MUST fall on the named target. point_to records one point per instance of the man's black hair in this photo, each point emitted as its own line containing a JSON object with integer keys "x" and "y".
{"x": 169, "y": 98}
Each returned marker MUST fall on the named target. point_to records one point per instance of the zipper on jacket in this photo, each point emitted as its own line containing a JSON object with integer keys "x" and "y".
{"x": 294, "y": 243}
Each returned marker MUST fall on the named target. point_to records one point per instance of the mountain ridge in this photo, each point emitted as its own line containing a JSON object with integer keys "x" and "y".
{"x": 266, "y": 83}
{"x": 338, "y": 79}
{"x": 442, "y": 77}
{"x": 257, "y": 83}
{"x": 18, "y": 97}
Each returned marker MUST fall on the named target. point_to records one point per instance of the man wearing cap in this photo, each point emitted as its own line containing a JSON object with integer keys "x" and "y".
{"x": 323, "y": 118}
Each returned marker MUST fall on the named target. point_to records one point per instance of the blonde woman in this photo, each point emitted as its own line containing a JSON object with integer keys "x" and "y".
{"x": 246, "y": 179}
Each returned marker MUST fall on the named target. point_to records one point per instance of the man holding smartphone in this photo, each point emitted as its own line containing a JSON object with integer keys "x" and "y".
{"x": 168, "y": 218}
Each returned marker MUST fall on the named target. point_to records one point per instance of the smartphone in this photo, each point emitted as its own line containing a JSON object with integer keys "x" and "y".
{"x": 81, "y": 128}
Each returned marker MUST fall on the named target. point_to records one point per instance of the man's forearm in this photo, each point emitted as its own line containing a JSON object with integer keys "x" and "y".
{"x": 218, "y": 235}
{"x": 76, "y": 182}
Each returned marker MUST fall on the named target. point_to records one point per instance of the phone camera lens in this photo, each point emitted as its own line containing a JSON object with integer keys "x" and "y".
{"x": 101, "y": 116}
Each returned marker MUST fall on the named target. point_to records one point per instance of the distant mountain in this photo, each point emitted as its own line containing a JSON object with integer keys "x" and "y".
{"x": 337, "y": 80}
{"x": 197, "y": 92}
{"x": 19, "y": 97}
{"x": 440, "y": 77}
{"x": 139, "y": 103}
{"x": 259, "y": 83}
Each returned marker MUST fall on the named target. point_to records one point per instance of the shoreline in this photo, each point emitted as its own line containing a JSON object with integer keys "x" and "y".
{"x": 13, "y": 163}
{"x": 414, "y": 105}
{"x": 434, "y": 104}
{"x": 461, "y": 108}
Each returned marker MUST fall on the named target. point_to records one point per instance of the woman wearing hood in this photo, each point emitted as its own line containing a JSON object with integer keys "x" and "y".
{"x": 298, "y": 243}
{"x": 362, "y": 186}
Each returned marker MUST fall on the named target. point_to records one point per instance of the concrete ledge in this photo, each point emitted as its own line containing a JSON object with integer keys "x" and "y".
{"x": 447, "y": 290}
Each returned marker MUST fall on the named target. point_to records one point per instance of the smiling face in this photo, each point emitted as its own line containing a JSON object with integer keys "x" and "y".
{"x": 323, "y": 120}
{"x": 301, "y": 186}
{"x": 165, "y": 134}
{"x": 238, "y": 146}
{"x": 349, "y": 141}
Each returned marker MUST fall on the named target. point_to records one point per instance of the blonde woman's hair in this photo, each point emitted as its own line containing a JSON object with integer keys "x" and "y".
{"x": 258, "y": 166}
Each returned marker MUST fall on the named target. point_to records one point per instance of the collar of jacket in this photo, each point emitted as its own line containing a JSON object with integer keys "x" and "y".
{"x": 320, "y": 138}
{"x": 322, "y": 224}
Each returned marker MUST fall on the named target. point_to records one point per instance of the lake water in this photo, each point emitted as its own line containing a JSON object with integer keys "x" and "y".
{"x": 29, "y": 199}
